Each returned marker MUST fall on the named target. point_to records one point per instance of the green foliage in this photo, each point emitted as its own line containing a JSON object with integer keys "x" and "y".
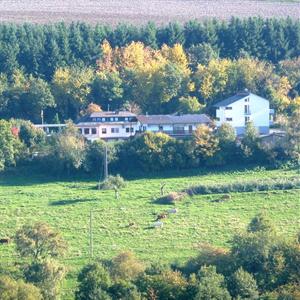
{"x": 18, "y": 290}
{"x": 38, "y": 242}
{"x": 94, "y": 282}
{"x": 211, "y": 285}
{"x": 113, "y": 182}
{"x": 126, "y": 267}
{"x": 243, "y": 285}
{"x": 165, "y": 285}
{"x": 10, "y": 145}
{"x": 205, "y": 142}
{"x": 189, "y": 105}
{"x": 31, "y": 136}
{"x": 47, "y": 276}
{"x": 67, "y": 150}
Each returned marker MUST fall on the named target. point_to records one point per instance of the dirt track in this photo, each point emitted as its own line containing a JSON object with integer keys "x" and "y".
{"x": 139, "y": 11}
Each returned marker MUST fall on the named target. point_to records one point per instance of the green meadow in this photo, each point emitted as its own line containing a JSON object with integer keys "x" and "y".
{"x": 126, "y": 223}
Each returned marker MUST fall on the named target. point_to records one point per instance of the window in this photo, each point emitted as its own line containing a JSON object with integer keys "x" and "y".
{"x": 127, "y": 129}
{"x": 103, "y": 130}
{"x": 218, "y": 119}
{"x": 228, "y": 108}
{"x": 114, "y": 130}
{"x": 144, "y": 128}
{"x": 94, "y": 119}
{"x": 112, "y": 119}
{"x": 86, "y": 131}
{"x": 126, "y": 119}
{"x": 80, "y": 130}
{"x": 94, "y": 130}
{"x": 160, "y": 127}
{"x": 116, "y": 119}
{"x": 103, "y": 119}
{"x": 247, "y": 100}
{"x": 247, "y": 109}
{"x": 229, "y": 119}
{"x": 247, "y": 119}
{"x": 131, "y": 129}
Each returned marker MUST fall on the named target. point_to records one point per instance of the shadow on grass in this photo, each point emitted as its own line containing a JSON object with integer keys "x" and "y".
{"x": 69, "y": 202}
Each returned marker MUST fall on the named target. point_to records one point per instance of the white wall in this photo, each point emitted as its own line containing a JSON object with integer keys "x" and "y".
{"x": 259, "y": 113}
{"x": 122, "y": 134}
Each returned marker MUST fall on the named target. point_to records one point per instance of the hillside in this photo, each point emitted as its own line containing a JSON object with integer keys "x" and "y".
{"x": 66, "y": 205}
{"x": 134, "y": 11}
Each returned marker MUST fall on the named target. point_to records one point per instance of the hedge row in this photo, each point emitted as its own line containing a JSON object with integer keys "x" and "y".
{"x": 246, "y": 186}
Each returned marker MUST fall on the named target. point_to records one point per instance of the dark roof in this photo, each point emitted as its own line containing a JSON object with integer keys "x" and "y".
{"x": 232, "y": 99}
{"x": 237, "y": 97}
{"x": 174, "y": 119}
{"x": 111, "y": 114}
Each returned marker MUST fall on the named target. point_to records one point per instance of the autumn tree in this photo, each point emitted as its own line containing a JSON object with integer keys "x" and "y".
{"x": 67, "y": 150}
{"x": 205, "y": 142}
{"x": 39, "y": 241}
{"x": 17, "y": 290}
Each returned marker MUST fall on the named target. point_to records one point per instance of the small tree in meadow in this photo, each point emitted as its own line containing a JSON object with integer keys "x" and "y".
{"x": 39, "y": 241}
{"x": 113, "y": 183}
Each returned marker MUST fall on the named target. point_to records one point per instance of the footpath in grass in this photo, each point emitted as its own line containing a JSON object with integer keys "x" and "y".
{"x": 126, "y": 224}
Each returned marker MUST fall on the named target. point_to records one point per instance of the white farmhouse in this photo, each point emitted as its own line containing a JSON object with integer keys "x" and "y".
{"x": 108, "y": 125}
{"x": 242, "y": 108}
{"x": 173, "y": 125}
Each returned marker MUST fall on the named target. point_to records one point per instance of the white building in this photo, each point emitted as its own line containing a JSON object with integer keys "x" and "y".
{"x": 108, "y": 125}
{"x": 173, "y": 125}
{"x": 242, "y": 108}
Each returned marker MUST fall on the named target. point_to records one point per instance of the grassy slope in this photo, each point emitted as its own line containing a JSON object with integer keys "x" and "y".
{"x": 65, "y": 205}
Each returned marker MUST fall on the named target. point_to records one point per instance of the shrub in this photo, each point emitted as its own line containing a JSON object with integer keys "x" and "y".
{"x": 47, "y": 276}
{"x": 243, "y": 285}
{"x": 113, "y": 183}
{"x": 94, "y": 282}
{"x": 171, "y": 198}
{"x": 11, "y": 289}
{"x": 126, "y": 267}
{"x": 211, "y": 285}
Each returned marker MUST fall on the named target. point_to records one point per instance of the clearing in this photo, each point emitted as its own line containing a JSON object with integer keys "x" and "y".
{"x": 137, "y": 12}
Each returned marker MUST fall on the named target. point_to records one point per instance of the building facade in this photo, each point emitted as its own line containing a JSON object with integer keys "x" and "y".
{"x": 242, "y": 108}
{"x": 123, "y": 125}
{"x": 108, "y": 125}
{"x": 173, "y": 125}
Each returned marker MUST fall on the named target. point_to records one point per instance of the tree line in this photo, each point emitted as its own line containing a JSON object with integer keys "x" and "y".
{"x": 52, "y": 72}
{"x": 259, "y": 264}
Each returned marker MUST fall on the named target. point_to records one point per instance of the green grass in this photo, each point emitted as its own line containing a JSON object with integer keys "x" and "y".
{"x": 66, "y": 205}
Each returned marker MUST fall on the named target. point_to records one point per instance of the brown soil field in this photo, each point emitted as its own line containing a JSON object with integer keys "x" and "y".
{"x": 140, "y": 11}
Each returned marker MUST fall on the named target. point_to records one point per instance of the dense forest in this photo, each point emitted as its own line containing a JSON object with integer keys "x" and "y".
{"x": 62, "y": 68}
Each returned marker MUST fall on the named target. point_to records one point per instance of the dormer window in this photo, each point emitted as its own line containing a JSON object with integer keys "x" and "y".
{"x": 228, "y": 108}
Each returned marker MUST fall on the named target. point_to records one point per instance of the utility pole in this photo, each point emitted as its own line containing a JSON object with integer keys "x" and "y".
{"x": 105, "y": 163}
{"x": 91, "y": 235}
